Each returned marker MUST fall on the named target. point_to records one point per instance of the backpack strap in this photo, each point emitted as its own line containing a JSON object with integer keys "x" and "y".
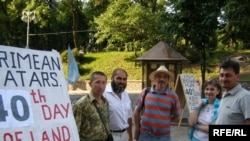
{"x": 144, "y": 96}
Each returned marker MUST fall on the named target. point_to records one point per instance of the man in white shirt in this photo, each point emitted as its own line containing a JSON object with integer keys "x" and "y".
{"x": 120, "y": 106}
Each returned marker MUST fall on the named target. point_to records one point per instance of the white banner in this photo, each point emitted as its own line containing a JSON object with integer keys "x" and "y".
{"x": 188, "y": 91}
{"x": 34, "y": 100}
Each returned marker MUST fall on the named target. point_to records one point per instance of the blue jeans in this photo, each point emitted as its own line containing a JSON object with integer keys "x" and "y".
{"x": 150, "y": 137}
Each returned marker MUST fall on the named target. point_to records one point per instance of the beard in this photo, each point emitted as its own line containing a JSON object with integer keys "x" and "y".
{"x": 118, "y": 88}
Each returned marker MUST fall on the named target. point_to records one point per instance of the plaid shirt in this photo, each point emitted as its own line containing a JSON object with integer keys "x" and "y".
{"x": 89, "y": 124}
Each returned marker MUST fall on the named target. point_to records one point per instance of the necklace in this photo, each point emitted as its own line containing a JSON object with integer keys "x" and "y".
{"x": 209, "y": 107}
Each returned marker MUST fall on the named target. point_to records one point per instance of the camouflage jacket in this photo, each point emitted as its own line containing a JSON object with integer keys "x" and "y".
{"x": 88, "y": 121}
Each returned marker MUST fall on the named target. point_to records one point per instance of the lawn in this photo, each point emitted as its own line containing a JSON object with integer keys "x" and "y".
{"x": 108, "y": 61}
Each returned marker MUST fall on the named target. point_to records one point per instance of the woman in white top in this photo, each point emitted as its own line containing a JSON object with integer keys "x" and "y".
{"x": 206, "y": 112}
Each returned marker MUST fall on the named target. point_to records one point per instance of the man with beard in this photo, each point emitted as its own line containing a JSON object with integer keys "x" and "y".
{"x": 160, "y": 107}
{"x": 120, "y": 106}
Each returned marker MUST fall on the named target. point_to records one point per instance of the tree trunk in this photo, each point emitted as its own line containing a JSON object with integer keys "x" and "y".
{"x": 74, "y": 24}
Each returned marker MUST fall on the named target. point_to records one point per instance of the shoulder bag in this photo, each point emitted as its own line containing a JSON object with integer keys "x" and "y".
{"x": 110, "y": 137}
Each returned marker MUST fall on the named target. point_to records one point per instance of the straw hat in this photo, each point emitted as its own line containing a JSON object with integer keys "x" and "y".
{"x": 161, "y": 69}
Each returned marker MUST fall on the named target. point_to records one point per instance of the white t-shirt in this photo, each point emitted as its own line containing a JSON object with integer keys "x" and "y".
{"x": 204, "y": 118}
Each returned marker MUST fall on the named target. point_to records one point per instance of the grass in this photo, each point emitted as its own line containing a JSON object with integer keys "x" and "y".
{"x": 214, "y": 62}
{"x": 108, "y": 61}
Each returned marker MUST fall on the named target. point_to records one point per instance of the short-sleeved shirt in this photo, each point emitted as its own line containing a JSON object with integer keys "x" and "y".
{"x": 158, "y": 109}
{"x": 234, "y": 107}
{"x": 89, "y": 124}
{"x": 120, "y": 109}
{"x": 204, "y": 118}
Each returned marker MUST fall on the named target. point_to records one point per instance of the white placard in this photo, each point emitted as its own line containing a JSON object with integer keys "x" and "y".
{"x": 34, "y": 101}
{"x": 188, "y": 91}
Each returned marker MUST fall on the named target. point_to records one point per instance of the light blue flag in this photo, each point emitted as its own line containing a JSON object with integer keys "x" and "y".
{"x": 73, "y": 72}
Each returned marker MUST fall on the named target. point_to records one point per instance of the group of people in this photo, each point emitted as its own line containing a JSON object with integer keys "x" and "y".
{"x": 226, "y": 102}
{"x": 107, "y": 109}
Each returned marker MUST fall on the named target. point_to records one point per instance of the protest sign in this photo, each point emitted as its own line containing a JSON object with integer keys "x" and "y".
{"x": 34, "y": 100}
{"x": 188, "y": 91}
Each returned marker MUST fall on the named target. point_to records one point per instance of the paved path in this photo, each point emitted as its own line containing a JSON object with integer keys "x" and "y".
{"x": 179, "y": 133}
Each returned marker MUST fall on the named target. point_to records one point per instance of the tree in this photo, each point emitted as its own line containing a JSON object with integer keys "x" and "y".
{"x": 235, "y": 24}
{"x": 58, "y": 24}
{"x": 93, "y": 8}
{"x": 196, "y": 22}
{"x": 129, "y": 26}
{"x": 11, "y": 27}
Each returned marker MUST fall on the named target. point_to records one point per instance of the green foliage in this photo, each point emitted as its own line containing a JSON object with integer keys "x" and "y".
{"x": 235, "y": 24}
{"x": 126, "y": 24}
{"x": 108, "y": 61}
{"x": 197, "y": 25}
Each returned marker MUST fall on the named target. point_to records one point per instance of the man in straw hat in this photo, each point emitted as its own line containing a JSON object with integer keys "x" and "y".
{"x": 160, "y": 107}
